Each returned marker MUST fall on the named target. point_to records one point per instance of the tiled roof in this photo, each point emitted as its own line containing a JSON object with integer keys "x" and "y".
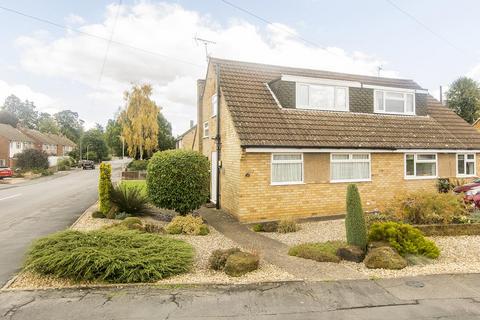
{"x": 13, "y": 134}
{"x": 260, "y": 122}
{"x": 39, "y": 136}
{"x": 60, "y": 140}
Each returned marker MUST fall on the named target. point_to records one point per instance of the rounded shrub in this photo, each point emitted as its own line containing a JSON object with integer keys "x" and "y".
{"x": 32, "y": 159}
{"x": 178, "y": 180}
{"x": 114, "y": 256}
{"x": 355, "y": 219}
{"x": 404, "y": 238}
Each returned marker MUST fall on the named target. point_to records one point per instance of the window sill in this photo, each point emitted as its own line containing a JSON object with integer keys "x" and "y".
{"x": 465, "y": 176}
{"x": 213, "y": 116}
{"x": 421, "y": 178}
{"x": 350, "y": 180}
{"x": 206, "y": 137}
{"x": 320, "y": 109}
{"x": 396, "y": 113}
{"x": 286, "y": 183}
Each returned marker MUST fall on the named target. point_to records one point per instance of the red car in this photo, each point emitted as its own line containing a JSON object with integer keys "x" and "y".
{"x": 5, "y": 172}
{"x": 466, "y": 187}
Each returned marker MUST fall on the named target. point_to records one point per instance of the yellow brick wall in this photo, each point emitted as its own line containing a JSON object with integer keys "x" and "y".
{"x": 208, "y": 144}
{"x": 261, "y": 201}
{"x": 189, "y": 141}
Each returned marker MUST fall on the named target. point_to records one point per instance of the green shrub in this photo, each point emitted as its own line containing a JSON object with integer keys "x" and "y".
{"x": 257, "y": 227}
{"x": 105, "y": 187}
{"x": 270, "y": 226}
{"x": 129, "y": 199}
{"x": 138, "y": 165}
{"x": 424, "y": 207}
{"x": 219, "y": 257}
{"x": 63, "y": 164}
{"x": 178, "y": 180}
{"x": 321, "y": 251}
{"x": 355, "y": 219}
{"x": 371, "y": 218}
{"x": 187, "y": 225}
{"x": 404, "y": 238}
{"x": 98, "y": 214}
{"x": 240, "y": 263}
{"x": 109, "y": 256}
{"x": 287, "y": 225}
{"x": 444, "y": 185}
{"x": 30, "y": 159}
{"x": 43, "y": 172}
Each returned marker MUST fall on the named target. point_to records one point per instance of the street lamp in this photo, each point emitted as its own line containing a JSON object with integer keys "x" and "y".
{"x": 87, "y": 150}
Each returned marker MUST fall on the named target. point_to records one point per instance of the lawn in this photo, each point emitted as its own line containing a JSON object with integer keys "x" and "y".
{"x": 136, "y": 183}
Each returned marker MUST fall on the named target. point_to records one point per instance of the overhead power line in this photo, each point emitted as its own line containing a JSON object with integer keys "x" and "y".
{"x": 61, "y": 26}
{"x": 105, "y": 57}
{"x": 426, "y": 27}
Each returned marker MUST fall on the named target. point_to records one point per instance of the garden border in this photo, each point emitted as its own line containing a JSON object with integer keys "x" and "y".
{"x": 432, "y": 230}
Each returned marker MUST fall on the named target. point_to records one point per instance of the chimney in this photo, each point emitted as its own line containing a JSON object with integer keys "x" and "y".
{"x": 191, "y": 123}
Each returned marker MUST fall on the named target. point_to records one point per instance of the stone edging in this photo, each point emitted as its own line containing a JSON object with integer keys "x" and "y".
{"x": 90, "y": 209}
{"x": 467, "y": 229}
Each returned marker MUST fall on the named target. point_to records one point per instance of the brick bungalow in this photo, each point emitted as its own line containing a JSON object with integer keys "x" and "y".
{"x": 292, "y": 139}
{"x": 42, "y": 141}
{"x": 188, "y": 140}
{"x": 12, "y": 141}
{"x": 64, "y": 145}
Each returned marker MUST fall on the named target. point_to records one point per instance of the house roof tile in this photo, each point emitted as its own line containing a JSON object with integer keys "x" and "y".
{"x": 13, "y": 134}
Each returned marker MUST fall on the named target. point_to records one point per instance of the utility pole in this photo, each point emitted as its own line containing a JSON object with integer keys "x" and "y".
{"x": 205, "y": 43}
{"x": 379, "y": 68}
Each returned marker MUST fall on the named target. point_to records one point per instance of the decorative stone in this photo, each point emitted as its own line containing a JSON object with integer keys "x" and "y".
{"x": 240, "y": 263}
{"x": 384, "y": 258}
{"x": 351, "y": 253}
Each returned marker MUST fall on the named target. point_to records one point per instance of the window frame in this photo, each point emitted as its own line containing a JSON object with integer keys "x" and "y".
{"x": 350, "y": 160}
{"x": 283, "y": 183}
{"x": 415, "y": 161}
{"x": 465, "y": 154}
{"x": 206, "y": 127}
{"x": 404, "y": 93}
{"x": 335, "y": 88}
{"x": 3, "y": 162}
{"x": 214, "y": 105}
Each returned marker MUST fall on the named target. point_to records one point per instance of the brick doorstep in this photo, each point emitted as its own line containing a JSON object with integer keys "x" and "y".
{"x": 274, "y": 251}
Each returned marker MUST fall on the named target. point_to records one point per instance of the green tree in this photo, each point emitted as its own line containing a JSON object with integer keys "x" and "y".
{"x": 47, "y": 124}
{"x": 8, "y": 118}
{"x": 355, "y": 219}
{"x": 32, "y": 159}
{"x": 24, "y": 111}
{"x": 113, "y": 131}
{"x": 165, "y": 139}
{"x": 94, "y": 141}
{"x": 70, "y": 124}
{"x": 139, "y": 121}
{"x": 463, "y": 97}
{"x": 105, "y": 187}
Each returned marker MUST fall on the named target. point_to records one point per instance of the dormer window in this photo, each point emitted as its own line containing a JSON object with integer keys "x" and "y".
{"x": 321, "y": 97}
{"x": 394, "y": 102}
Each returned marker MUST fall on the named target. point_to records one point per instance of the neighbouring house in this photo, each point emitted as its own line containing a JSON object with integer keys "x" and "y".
{"x": 188, "y": 140}
{"x": 42, "y": 141}
{"x": 64, "y": 145}
{"x": 476, "y": 124}
{"x": 12, "y": 141}
{"x": 291, "y": 139}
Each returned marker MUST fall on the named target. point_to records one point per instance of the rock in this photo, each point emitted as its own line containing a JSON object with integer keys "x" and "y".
{"x": 270, "y": 226}
{"x": 377, "y": 244}
{"x": 240, "y": 263}
{"x": 351, "y": 253}
{"x": 219, "y": 257}
{"x": 384, "y": 258}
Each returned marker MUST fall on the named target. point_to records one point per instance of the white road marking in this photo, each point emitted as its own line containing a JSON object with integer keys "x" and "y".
{"x": 10, "y": 197}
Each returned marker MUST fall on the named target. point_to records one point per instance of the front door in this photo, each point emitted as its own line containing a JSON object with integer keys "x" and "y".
{"x": 213, "y": 177}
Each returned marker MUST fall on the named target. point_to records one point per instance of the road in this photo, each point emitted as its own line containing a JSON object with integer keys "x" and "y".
{"x": 431, "y": 297}
{"x": 39, "y": 207}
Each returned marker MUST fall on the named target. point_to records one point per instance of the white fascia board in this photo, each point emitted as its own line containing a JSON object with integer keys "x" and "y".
{"x": 334, "y": 150}
{"x": 369, "y": 86}
{"x": 325, "y": 81}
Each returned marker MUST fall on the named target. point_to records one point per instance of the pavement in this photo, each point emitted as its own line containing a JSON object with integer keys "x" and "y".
{"x": 274, "y": 251}
{"x": 38, "y": 207}
{"x": 427, "y": 297}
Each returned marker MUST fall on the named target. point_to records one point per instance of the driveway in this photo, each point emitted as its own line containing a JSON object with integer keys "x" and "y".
{"x": 431, "y": 297}
{"x": 39, "y": 207}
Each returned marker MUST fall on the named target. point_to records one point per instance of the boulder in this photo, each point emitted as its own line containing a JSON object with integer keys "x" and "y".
{"x": 270, "y": 226}
{"x": 351, "y": 253}
{"x": 219, "y": 257}
{"x": 384, "y": 258}
{"x": 377, "y": 244}
{"x": 240, "y": 263}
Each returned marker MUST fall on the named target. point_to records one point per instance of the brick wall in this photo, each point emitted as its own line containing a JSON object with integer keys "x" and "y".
{"x": 261, "y": 201}
{"x": 4, "y": 150}
{"x": 189, "y": 141}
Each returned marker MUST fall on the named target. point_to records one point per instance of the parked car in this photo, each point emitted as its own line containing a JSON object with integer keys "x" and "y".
{"x": 5, "y": 172}
{"x": 88, "y": 164}
{"x": 464, "y": 188}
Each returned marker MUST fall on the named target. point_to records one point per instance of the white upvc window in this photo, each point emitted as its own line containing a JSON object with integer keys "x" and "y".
{"x": 421, "y": 165}
{"x": 286, "y": 168}
{"x": 206, "y": 130}
{"x": 466, "y": 165}
{"x": 394, "y": 102}
{"x": 321, "y": 97}
{"x": 350, "y": 167}
{"x": 3, "y": 163}
{"x": 214, "y": 105}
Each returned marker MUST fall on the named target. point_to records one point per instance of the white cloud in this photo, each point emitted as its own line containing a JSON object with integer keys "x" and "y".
{"x": 44, "y": 102}
{"x": 73, "y": 19}
{"x": 168, "y": 29}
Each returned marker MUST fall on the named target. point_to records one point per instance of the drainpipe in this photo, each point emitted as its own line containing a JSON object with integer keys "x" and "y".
{"x": 217, "y": 137}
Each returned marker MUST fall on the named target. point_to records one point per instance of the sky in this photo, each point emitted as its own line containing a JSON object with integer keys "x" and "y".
{"x": 79, "y": 68}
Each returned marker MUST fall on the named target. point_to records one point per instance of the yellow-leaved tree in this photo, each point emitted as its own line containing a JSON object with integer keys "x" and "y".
{"x": 139, "y": 121}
